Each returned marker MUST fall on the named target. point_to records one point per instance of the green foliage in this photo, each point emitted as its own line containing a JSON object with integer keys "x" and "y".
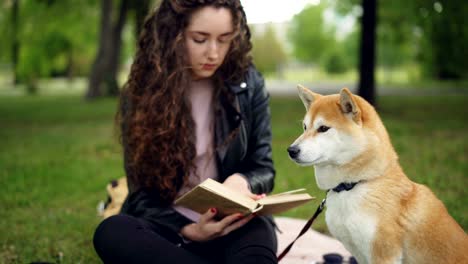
{"x": 350, "y": 47}
{"x": 334, "y": 62}
{"x": 430, "y": 33}
{"x": 345, "y": 7}
{"x": 315, "y": 42}
{"x": 56, "y": 38}
{"x": 395, "y": 38}
{"x": 58, "y": 153}
{"x": 445, "y": 36}
{"x": 5, "y": 44}
{"x": 267, "y": 51}
{"x": 308, "y": 35}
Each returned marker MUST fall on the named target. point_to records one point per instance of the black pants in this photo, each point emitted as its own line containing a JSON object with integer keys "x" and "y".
{"x": 126, "y": 239}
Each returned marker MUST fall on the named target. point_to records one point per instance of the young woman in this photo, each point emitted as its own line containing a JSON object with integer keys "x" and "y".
{"x": 194, "y": 107}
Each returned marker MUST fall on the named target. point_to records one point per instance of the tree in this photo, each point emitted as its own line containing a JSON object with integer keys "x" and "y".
{"x": 445, "y": 38}
{"x": 9, "y": 27}
{"x": 335, "y": 61}
{"x": 103, "y": 76}
{"x": 349, "y": 46}
{"x": 45, "y": 39}
{"x": 395, "y": 36}
{"x": 430, "y": 33}
{"x": 267, "y": 51}
{"x": 308, "y": 35}
{"x": 15, "y": 46}
{"x": 366, "y": 86}
{"x": 367, "y": 43}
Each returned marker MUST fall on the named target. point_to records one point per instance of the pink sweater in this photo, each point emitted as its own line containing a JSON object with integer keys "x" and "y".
{"x": 201, "y": 98}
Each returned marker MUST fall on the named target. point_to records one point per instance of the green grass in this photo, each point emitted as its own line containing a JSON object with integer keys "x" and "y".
{"x": 57, "y": 153}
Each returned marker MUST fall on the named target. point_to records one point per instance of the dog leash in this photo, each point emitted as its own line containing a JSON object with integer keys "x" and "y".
{"x": 304, "y": 229}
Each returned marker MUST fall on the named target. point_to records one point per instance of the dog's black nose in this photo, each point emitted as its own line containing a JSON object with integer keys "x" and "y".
{"x": 294, "y": 151}
{"x": 114, "y": 183}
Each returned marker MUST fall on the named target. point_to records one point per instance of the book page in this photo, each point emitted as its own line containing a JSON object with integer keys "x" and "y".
{"x": 227, "y": 192}
{"x": 281, "y": 203}
{"x": 288, "y": 192}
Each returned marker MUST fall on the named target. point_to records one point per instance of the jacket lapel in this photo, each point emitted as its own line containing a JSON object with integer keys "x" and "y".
{"x": 228, "y": 119}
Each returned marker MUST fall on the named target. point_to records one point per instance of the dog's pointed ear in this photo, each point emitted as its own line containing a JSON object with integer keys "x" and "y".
{"x": 349, "y": 106}
{"x": 307, "y": 96}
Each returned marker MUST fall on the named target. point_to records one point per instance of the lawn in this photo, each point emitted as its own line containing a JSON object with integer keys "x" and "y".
{"x": 58, "y": 152}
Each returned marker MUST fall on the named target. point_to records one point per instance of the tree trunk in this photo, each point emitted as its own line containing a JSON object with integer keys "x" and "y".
{"x": 103, "y": 76}
{"x": 367, "y": 51}
{"x": 99, "y": 67}
{"x": 114, "y": 64}
{"x": 15, "y": 42}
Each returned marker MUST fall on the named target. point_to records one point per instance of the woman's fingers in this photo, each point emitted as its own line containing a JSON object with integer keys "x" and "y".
{"x": 257, "y": 196}
{"x": 209, "y": 228}
{"x": 227, "y": 220}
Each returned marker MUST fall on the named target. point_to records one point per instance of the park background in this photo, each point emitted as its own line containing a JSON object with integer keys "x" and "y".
{"x": 62, "y": 64}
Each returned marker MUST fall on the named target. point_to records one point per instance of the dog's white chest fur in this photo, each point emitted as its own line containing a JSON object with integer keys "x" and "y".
{"x": 349, "y": 223}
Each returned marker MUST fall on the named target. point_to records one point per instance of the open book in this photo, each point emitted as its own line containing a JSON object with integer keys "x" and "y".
{"x": 210, "y": 193}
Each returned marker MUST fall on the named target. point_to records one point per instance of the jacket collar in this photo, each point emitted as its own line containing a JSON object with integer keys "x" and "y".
{"x": 229, "y": 117}
{"x": 237, "y": 87}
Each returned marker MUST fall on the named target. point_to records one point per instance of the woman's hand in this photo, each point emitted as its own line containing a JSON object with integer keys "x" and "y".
{"x": 209, "y": 228}
{"x": 240, "y": 184}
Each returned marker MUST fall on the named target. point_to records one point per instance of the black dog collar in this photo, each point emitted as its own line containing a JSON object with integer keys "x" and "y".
{"x": 345, "y": 186}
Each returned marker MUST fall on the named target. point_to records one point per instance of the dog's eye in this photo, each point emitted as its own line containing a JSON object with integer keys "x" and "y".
{"x": 304, "y": 126}
{"x": 322, "y": 129}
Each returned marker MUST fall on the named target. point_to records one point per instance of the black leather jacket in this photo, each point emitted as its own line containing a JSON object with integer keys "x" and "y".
{"x": 249, "y": 153}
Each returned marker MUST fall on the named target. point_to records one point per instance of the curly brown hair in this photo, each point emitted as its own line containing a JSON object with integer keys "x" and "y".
{"x": 155, "y": 120}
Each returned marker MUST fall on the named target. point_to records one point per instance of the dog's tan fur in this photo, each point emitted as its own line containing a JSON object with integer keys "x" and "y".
{"x": 117, "y": 195}
{"x": 411, "y": 224}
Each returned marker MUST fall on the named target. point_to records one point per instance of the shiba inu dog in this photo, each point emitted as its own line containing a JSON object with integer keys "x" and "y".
{"x": 379, "y": 214}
